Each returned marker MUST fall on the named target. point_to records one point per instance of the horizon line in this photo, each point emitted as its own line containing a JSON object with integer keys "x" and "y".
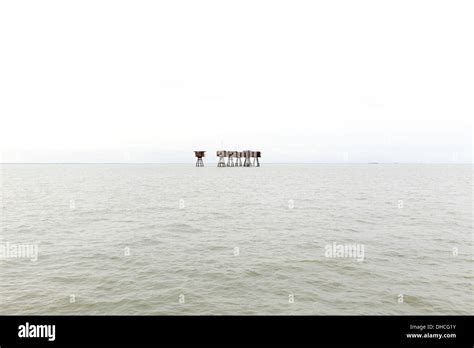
{"x": 187, "y": 163}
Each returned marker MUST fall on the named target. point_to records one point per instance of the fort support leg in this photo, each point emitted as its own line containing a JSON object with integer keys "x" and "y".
{"x": 221, "y": 162}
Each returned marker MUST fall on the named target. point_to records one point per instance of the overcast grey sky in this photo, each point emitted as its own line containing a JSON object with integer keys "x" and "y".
{"x": 303, "y": 81}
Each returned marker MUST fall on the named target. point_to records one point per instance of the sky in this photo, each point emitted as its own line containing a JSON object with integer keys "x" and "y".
{"x": 301, "y": 81}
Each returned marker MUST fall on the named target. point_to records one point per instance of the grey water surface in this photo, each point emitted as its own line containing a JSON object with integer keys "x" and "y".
{"x": 175, "y": 239}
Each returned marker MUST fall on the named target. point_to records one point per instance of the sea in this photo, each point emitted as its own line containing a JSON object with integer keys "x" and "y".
{"x": 280, "y": 239}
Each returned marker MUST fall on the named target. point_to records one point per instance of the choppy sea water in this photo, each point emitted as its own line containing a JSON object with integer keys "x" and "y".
{"x": 175, "y": 239}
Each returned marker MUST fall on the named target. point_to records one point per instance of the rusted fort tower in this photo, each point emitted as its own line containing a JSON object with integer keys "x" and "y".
{"x": 199, "y": 155}
{"x": 230, "y": 162}
{"x": 222, "y": 155}
{"x": 238, "y": 158}
{"x": 256, "y": 155}
{"x": 246, "y": 155}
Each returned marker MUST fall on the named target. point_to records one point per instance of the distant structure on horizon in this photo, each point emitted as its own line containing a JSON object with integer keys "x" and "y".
{"x": 234, "y": 158}
{"x": 199, "y": 155}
